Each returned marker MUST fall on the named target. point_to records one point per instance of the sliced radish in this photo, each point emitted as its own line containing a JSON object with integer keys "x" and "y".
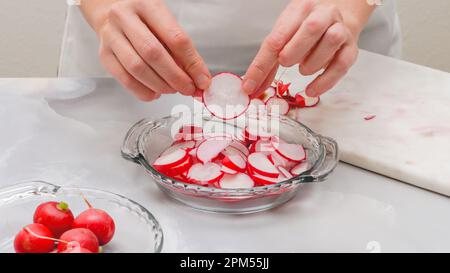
{"x": 186, "y": 145}
{"x": 171, "y": 159}
{"x": 240, "y": 146}
{"x": 259, "y": 163}
{"x": 256, "y": 105}
{"x": 210, "y": 148}
{"x": 227, "y": 170}
{"x": 305, "y": 101}
{"x": 237, "y": 181}
{"x": 284, "y": 172}
{"x": 293, "y": 152}
{"x": 270, "y": 92}
{"x": 300, "y": 168}
{"x": 263, "y": 146}
{"x": 256, "y": 132}
{"x": 277, "y": 105}
{"x": 224, "y": 98}
{"x": 264, "y": 180}
{"x": 283, "y": 88}
{"x": 278, "y": 160}
{"x": 180, "y": 169}
{"x": 234, "y": 161}
{"x": 204, "y": 174}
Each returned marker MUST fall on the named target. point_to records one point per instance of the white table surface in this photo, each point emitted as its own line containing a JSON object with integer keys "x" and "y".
{"x": 51, "y": 131}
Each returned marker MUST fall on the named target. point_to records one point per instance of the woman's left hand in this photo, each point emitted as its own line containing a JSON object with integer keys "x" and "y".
{"x": 312, "y": 35}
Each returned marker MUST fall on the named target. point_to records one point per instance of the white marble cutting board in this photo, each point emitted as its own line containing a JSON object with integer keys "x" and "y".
{"x": 409, "y": 139}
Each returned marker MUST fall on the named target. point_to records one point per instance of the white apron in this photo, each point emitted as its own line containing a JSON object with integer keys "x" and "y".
{"x": 226, "y": 33}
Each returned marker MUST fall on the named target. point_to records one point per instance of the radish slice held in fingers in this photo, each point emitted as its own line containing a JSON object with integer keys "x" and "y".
{"x": 277, "y": 105}
{"x": 305, "y": 101}
{"x": 236, "y": 181}
{"x": 204, "y": 174}
{"x": 260, "y": 163}
{"x": 270, "y": 92}
{"x": 225, "y": 98}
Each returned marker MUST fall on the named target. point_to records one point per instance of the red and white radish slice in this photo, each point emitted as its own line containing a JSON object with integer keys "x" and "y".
{"x": 264, "y": 180}
{"x": 227, "y": 170}
{"x": 186, "y": 145}
{"x": 234, "y": 161}
{"x": 285, "y": 173}
{"x": 237, "y": 181}
{"x": 204, "y": 174}
{"x": 300, "y": 168}
{"x": 224, "y": 98}
{"x": 263, "y": 146}
{"x": 180, "y": 169}
{"x": 305, "y": 101}
{"x": 256, "y": 132}
{"x": 278, "y": 160}
{"x": 277, "y": 105}
{"x": 292, "y": 152}
{"x": 240, "y": 146}
{"x": 169, "y": 160}
{"x": 269, "y": 93}
{"x": 259, "y": 163}
{"x": 210, "y": 148}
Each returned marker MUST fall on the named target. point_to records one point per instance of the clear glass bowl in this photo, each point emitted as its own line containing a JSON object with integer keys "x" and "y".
{"x": 136, "y": 228}
{"x": 147, "y": 139}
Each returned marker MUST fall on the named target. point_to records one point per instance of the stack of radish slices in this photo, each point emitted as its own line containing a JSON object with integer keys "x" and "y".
{"x": 225, "y": 99}
{"x": 218, "y": 160}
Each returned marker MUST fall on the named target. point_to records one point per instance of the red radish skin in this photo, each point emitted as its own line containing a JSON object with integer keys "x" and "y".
{"x": 224, "y": 98}
{"x": 98, "y": 221}
{"x": 227, "y": 170}
{"x": 283, "y": 88}
{"x": 234, "y": 161}
{"x": 292, "y": 152}
{"x": 56, "y": 216}
{"x": 260, "y": 163}
{"x": 84, "y": 237}
{"x": 31, "y": 239}
{"x": 237, "y": 181}
{"x": 170, "y": 160}
{"x": 204, "y": 174}
{"x": 185, "y": 145}
{"x": 305, "y": 101}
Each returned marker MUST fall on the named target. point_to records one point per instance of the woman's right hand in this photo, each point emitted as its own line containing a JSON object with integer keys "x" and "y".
{"x": 145, "y": 49}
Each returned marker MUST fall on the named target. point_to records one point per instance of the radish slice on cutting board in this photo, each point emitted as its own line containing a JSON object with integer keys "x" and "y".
{"x": 224, "y": 98}
{"x": 237, "y": 181}
{"x": 204, "y": 174}
{"x": 259, "y": 163}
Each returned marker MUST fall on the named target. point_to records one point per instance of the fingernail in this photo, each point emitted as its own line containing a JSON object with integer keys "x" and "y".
{"x": 202, "y": 81}
{"x": 249, "y": 86}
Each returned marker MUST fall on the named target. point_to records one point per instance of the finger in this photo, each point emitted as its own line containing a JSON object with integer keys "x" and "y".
{"x": 135, "y": 66}
{"x": 266, "y": 58}
{"x": 308, "y": 35}
{"x": 338, "y": 67}
{"x": 321, "y": 55}
{"x": 154, "y": 53}
{"x": 161, "y": 21}
{"x": 113, "y": 66}
{"x": 267, "y": 82}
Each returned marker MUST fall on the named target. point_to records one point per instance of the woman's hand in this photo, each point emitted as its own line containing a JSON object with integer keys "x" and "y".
{"x": 145, "y": 49}
{"x": 309, "y": 33}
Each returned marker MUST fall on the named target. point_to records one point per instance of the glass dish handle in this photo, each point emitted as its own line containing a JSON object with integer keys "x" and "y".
{"x": 130, "y": 150}
{"x": 327, "y": 164}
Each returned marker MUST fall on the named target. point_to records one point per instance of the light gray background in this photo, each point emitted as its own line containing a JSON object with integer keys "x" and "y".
{"x": 31, "y": 33}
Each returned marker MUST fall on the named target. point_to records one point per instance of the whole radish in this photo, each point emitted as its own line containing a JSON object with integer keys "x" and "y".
{"x": 97, "y": 221}
{"x": 55, "y": 216}
{"x": 81, "y": 237}
{"x": 34, "y": 238}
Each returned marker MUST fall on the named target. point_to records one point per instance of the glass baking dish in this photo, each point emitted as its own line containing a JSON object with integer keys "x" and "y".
{"x": 145, "y": 141}
{"x": 137, "y": 230}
